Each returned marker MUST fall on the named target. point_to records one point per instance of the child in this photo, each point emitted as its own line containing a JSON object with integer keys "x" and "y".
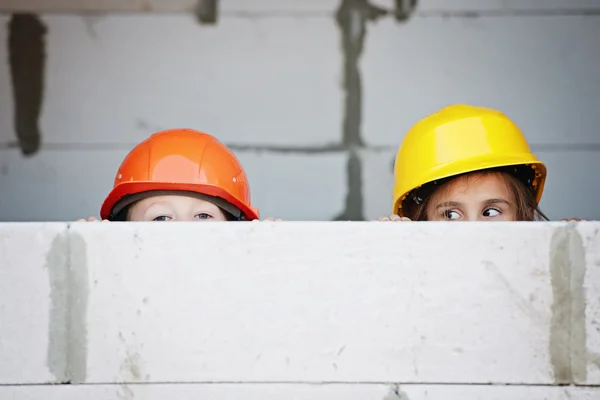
{"x": 466, "y": 163}
{"x": 179, "y": 175}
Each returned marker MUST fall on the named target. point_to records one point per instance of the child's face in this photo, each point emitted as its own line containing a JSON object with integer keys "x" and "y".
{"x": 474, "y": 197}
{"x": 174, "y": 208}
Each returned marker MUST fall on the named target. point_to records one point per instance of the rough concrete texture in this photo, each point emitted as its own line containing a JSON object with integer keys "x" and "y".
{"x": 300, "y": 302}
{"x": 567, "y": 269}
{"x": 590, "y": 235}
{"x": 234, "y": 391}
{"x": 67, "y": 334}
{"x": 30, "y": 256}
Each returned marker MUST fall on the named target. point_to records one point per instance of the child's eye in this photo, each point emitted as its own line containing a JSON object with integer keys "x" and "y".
{"x": 203, "y": 216}
{"x": 162, "y": 218}
{"x": 451, "y": 214}
{"x": 491, "y": 212}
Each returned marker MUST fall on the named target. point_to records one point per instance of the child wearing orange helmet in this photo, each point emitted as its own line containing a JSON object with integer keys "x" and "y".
{"x": 466, "y": 163}
{"x": 179, "y": 175}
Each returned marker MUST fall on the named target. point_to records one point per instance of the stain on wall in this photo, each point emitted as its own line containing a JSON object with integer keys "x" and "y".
{"x": 27, "y": 58}
{"x": 66, "y": 264}
{"x": 567, "y": 346}
{"x": 352, "y": 18}
{"x": 207, "y": 11}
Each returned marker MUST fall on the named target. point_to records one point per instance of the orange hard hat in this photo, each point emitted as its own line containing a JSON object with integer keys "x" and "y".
{"x": 181, "y": 160}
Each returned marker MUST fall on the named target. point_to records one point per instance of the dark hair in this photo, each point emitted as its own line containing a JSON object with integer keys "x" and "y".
{"x": 518, "y": 179}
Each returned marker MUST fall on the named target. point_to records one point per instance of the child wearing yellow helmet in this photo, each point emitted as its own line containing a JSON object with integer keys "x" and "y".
{"x": 466, "y": 163}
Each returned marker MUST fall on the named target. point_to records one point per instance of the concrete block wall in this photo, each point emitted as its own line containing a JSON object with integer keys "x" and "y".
{"x": 302, "y": 310}
{"x": 312, "y": 96}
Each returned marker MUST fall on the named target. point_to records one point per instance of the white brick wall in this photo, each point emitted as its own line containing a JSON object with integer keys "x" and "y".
{"x": 302, "y": 310}
{"x": 267, "y": 79}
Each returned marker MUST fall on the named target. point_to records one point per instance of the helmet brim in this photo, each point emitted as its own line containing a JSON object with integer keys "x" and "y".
{"x": 130, "y": 188}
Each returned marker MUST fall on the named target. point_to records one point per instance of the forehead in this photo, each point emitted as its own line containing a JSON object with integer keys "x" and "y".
{"x": 173, "y": 200}
{"x": 479, "y": 184}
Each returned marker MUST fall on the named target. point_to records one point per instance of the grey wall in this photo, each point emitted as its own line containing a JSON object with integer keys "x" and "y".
{"x": 314, "y": 97}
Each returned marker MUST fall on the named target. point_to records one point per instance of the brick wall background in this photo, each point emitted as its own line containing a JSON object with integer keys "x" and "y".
{"x": 313, "y": 96}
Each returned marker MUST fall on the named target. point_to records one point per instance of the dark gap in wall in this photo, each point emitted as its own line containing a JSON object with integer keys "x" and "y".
{"x": 207, "y": 12}
{"x": 27, "y": 59}
{"x": 353, "y": 210}
{"x": 352, "y": 18}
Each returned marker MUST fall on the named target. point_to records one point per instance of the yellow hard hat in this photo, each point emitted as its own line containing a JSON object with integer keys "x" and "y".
{"x": 459, "y": 139}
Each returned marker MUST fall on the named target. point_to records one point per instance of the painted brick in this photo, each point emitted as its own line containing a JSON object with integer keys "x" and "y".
{"x": 571, "y": 189}
{"x": 66, "y": 185}
{"x": 409, "y": 73}
{"x": 297, "y": 392}
{"x": 314, "y": 302}
{"x": 32, "y": 263}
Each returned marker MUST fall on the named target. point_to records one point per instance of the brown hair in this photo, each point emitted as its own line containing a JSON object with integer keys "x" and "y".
{"x": 527, "y": 208}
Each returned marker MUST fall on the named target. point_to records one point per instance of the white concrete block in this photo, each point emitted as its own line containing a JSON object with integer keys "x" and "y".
{"x": 588, "y": 241}
{"x": 279, "y": 6}
{"x": 506, "y": 5}
{"x": 75, "y": 6}
{"x": 571, "y": 189}
{"x": 69, "y": 184}
{"x": 319, "y": 302}
{"x": 33, "y": 265}
{"x": 296, "y": 186}
{"x": 573, "y": 185}
{"x": 55, "y": 185}
{"x": 378, "y": 182}
{"x": 149, "y": 6}
{"x": 516, "y": 64}
{"x": 297, "y": 392}
{"x": 245, "y": 80}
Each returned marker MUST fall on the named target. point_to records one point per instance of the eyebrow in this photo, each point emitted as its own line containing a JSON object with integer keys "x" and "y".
{"x": 448, "y": 204}
{"x": 497, "y": 201}
{"x": 457, "y": 204}
{"x": 163, "y": 204}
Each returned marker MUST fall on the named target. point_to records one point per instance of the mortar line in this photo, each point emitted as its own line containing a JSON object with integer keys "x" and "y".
{"x": 497, "y": 13}
{"x": 312, "y": 383}
{"x": 322, "y": 148}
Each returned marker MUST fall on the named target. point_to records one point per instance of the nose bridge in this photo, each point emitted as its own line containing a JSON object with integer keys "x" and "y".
{"x": 473, "y": 216}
